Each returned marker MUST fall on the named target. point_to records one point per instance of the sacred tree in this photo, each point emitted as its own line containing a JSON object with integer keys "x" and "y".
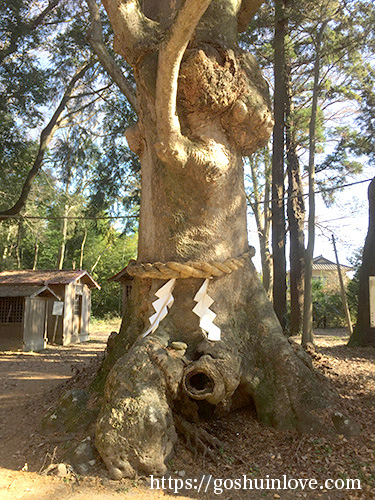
{"x": 199, "y": 333}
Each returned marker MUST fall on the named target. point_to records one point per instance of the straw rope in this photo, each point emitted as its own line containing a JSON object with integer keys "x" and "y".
{"x": 189, "y": 269}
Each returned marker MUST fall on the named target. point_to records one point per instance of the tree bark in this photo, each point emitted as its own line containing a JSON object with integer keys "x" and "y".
{"x": 278, "y": 206}
{"x": 6, "y": 245}
{"x": 18, "y": 245}
{"x": 95, "y": 38}
{"x": 193, "y": 208}
{"x": 364, "y": 333}
{"x": 296, "y": 220}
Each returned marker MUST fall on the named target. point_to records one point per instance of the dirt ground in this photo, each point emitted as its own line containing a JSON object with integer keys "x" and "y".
{"x": 31, "y": 383}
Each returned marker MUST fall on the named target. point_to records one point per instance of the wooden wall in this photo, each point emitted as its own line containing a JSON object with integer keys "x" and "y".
{"x": 68, "y": 317}
{"x": 51, "y": 319}
{"x": 71, "y": 328}
{"x": 76, "y": 328}
{"x": 35, "y": 327}
{"x": 86, "y": 309}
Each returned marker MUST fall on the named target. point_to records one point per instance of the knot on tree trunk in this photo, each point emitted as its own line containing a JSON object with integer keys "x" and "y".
{"x": 227, "y": 88}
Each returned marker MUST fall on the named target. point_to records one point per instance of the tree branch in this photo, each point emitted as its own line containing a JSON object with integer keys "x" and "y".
{"x": 134, "y": 32}
{"x": 171, "y": 141}
{"x": 246, "y": 13}
{"x": 28, "y": 28}
{"x": 40, "y": 18}
{"x": 45, "y": 138}
{"x": 95, "y": 38}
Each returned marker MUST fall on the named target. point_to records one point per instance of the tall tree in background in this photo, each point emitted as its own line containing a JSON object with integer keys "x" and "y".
{"x": 52, "y": 89}
{"x": 259, "y": 199}
{"x": 278, "y": 206}
{"x": 295, "y": 210}
{"x": 307, "y": 333}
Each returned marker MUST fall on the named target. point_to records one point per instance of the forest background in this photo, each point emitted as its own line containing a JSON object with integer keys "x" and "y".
{"x": 70, "y": 186}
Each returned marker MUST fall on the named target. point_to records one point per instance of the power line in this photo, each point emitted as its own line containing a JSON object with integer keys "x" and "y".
{"x": 305, "y": 195}
{"x": 109, "y": 217}
{"x": 61, "y": 217}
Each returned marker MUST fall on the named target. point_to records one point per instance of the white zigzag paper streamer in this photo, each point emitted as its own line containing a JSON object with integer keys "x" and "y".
{"x": 202, "y": 309}
{"x": 161, "y": 305}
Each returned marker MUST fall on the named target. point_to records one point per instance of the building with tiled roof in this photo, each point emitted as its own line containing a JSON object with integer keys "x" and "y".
{"x": 326, "y": 271}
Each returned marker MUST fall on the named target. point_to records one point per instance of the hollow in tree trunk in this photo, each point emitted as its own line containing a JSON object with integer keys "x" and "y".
{"x": 203, "y": 104}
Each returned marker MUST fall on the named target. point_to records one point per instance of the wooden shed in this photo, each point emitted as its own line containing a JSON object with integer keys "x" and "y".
{"x": 67, "y": 311}
{"x": 23, "y": 317}
{"x": 126, "y": 283}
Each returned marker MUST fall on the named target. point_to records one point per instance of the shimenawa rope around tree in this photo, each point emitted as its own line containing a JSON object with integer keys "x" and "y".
{"x": 190, "y": 269}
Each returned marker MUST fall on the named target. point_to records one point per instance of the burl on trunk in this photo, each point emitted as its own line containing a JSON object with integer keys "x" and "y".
{"x": 203, "y": 104}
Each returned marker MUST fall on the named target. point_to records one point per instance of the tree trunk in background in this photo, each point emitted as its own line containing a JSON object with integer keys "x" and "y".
{"x": 307, "y": 333}
{"x": 364, "y": 333}
{"x": 296, "y": 219}
{"x": 82, "y": 248}
{"x": 45, "y": 138}
{"x": 6, "y": 246}
{"x": 18, "y": 245}
{"x": 64, "y": 232}
{"x": 263, "y": 218}
{"x": 278, "y": 208}
{"x": 36, "y": 251}
{"x": 190, "y": 140}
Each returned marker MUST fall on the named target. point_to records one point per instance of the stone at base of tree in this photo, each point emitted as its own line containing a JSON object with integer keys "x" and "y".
{"x": 83, "y": 454}
{"x": 345, "y": 425}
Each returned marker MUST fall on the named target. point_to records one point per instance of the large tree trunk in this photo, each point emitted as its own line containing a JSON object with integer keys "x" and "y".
{"x": 364, "y": 333}
{"x": 193, "y": 208}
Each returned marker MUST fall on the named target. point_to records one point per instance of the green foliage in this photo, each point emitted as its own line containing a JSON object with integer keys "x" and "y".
{"x": 328, "y": 310}
{"x": 16, "y": 157}
{"x": 107, "y": 302}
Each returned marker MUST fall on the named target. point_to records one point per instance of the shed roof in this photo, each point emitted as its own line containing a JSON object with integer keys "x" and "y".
{"x": 322, "y": 264}
{"x": 46, "y": 277}
{"x": 122, "y": 275}
{"x": 27, "y": 291}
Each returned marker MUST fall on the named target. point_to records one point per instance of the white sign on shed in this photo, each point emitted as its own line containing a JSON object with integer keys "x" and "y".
{"x": 372, "y": 300}
{"x": 58, "y": 307}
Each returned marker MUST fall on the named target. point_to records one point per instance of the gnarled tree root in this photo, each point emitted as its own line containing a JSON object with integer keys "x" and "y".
{"x": 135, "y": 431}
{"x": 198, "y": 440}
{"x": 163, "y": 382}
